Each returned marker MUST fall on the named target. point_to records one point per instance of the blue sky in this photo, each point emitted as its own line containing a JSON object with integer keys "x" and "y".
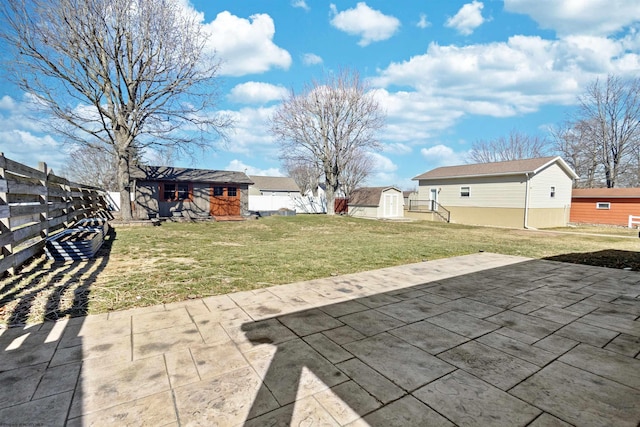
{"x": 447, "y": 73}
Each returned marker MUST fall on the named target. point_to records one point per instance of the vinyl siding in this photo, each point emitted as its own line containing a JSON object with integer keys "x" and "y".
{"x": 540, "y": 189}
{"x": 485, "y": 192}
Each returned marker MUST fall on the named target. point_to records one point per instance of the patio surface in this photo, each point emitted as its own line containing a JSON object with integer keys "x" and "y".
{"x": 482, "y": 339}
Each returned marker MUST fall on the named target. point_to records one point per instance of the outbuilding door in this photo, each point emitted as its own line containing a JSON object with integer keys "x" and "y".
{"x": 224, "y": 201}
{"x": 391, "y": 205}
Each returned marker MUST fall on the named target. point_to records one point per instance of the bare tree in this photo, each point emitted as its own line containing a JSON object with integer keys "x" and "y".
{"x": 579, "y": 151}
{"x": 120, "y": 73}
{"x": 306, "y": 175}
{"x": 355, "y": 171}
{"x": 516, "y": 146}
{"x": 609, "y": 118}
{"x": 326, "y": 124}
{"x": 91, "y": 165}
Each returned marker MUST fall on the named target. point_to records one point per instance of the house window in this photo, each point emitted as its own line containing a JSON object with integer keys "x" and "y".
{"x": 603, "y": 205}
{"x": 465, "y": 191}
{"x": 218, "y": 191}
{"x": 169, "y": 192}
{"x": 231, "y": 192}
{"x": 176, "y": 191}
{"x": 553, "y": 192}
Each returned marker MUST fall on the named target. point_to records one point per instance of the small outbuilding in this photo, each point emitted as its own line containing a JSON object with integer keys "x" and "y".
{"x": 273, "y": 193}
{"x": 376, "y": 202}
{"x": 529, "y": 193}
{"x": 610, "y": 206}
{"x": 163, "y": 191}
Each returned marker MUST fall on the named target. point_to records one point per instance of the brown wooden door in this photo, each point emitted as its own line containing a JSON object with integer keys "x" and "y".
{"x": 224, "y": 201}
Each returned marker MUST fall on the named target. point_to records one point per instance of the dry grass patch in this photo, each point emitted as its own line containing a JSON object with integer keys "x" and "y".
{"x": 141, "y": 266}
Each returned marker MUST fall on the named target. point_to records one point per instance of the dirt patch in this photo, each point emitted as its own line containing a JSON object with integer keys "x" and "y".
{"x": 627, "y": 260}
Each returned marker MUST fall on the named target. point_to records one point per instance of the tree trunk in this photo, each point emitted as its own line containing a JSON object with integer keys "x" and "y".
{"x": 124, "y": 186}
{"x": 331, "y": 198}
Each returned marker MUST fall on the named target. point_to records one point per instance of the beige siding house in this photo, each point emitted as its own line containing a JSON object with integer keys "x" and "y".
{"x": 376, "y": 202}
{"x": 529, "y": 193}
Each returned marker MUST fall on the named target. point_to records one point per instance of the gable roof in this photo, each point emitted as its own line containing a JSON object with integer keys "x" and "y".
{"x": 275, "y": 183}
{"x": 168, "y": 173}
{"x": 610, "y": 193}
{"x": 368, "y": 196}
{"x": 513, "y": 167}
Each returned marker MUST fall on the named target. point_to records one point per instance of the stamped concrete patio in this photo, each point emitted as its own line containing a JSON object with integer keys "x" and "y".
{"x": 483, "y": 339}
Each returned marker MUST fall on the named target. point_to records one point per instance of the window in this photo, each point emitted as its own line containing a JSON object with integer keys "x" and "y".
{"x": 218, "y": 191}
{"x": 553, "y": 192}
{"x": 174, "y": 192}
{"x": 603, "y": 205}
{"x": 169, "y": 192}
{"x": 183, "y": 191}
{"x": 231, "y": 191}
{"x": 465, "y": 191}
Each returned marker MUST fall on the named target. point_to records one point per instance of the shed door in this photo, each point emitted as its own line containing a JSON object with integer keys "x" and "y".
{"x": 391, "y": 205}
{"x": 224, "y": 201}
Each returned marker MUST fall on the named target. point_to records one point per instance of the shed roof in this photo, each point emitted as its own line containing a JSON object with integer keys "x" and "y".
{"x": 168, "y": 173}
{"x": 274, "y": 183}
{"x": 611, "y": 193}
{"x": 368, "y": 196}
{"x": 513, "y": 167}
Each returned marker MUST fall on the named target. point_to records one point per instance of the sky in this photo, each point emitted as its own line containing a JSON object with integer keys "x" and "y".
{"x": 447, "y": 73}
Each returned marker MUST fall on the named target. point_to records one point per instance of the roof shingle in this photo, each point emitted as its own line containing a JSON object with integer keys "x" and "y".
{"x": 275, "y": 183}
{"x": 513, "y": 167}
{"x": 168, "y": 173}
{"x": 586, "y": 193}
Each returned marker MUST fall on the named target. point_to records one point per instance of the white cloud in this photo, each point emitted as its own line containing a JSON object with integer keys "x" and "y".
{"x": 369, "y": 24}
{"x": 396, "y": 148}
{"x": 423, "y": 22}
{"x": 413, "y": 117}
{"x": 595, "y": 17}
{"x": 30, "y": 149}
{"x": 468, "y": 18}
{"x": 250, "y": 134}
{"x": 7, "y": 103}
{"x": 238, "y": 166}
{"x": 502, "y": 79}
{"x": 246, "y": 46}
{"x": 256, "y": 93}
{"x": 441, "y": 155}
{"x": 300, "y": 4}
{"x": 311, "y": 59}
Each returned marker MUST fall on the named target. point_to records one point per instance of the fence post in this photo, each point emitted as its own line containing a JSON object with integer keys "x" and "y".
{"x": 5, "y": 216}
{"x": 44, "y": 200}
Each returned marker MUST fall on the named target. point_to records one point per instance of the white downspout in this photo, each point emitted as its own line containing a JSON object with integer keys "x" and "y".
{"x": 526, "y": 201}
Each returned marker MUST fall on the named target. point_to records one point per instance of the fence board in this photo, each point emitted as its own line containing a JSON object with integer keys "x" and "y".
{"x": 19, "y": 168}
{"x": 37, "y": 203}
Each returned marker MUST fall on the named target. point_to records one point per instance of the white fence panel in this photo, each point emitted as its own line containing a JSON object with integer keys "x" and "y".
{"x": 299, "y": 204}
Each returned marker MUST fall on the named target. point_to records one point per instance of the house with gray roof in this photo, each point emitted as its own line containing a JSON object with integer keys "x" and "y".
{"x": 164, "y": 191}
{"x": 529, "y": 193}
{"x": 376, "y": 202}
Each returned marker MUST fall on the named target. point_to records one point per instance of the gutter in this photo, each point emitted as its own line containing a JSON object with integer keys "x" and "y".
{"x": 526, "y": 201}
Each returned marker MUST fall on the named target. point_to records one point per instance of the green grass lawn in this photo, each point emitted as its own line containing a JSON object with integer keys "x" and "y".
{"x": 177, "y": 261}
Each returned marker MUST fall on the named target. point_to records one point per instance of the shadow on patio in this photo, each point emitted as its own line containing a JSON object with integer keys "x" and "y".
{"x": 537, "y": 340}
{"x": 40, "y": 364}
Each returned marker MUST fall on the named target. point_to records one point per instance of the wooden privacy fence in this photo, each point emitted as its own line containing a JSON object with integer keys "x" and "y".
{"x": 34, "y": 204}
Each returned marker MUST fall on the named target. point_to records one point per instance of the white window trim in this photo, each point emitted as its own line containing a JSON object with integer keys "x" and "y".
{"x": 601, "y": 205}
{"x": 468, "y": 191}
